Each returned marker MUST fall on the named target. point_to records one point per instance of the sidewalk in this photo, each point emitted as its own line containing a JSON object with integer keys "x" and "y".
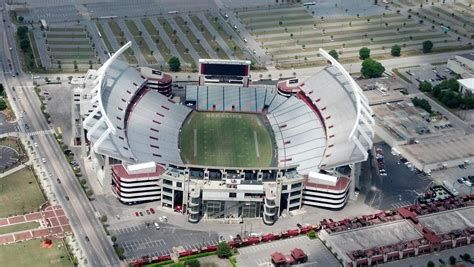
{"x": 17, "y": 168}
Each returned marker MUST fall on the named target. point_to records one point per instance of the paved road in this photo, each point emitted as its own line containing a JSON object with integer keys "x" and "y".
{"x": 79, "y": 210}
{"x": 99, "y": 42}
{"x": 244, "y": 33}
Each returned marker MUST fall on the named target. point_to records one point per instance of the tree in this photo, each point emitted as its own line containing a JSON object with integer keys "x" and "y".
{"x": 364, "y": 53}
{"x": 192, "y": 263}
{"x": 334, "y": 54}
{"x": 427, "y": 46}
{"x": 252, "y": 64}
{"x": 422, "y": 103}
{"x": 223, "y": 250}
{"x": 371, "y": 68}
{"x": 21, "y": 19}
{"x": 396, "y": 50}
{"x": 24, "y": 45}
{"x": 174, "y": 64}
{"x": 425, "y": 86}
{"x": 430, "y": 264}
{"x": 466, "y": 256}
{"x": 452, "y": 260}
{"x": 3, "y": 104}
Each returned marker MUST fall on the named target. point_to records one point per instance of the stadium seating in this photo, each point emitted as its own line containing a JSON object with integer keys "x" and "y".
{"x": 299, "y": 134}
{"x": 153, "y": 128}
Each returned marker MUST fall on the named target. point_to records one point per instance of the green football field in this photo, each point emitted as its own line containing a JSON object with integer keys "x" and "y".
{"x": 225, "y": 139}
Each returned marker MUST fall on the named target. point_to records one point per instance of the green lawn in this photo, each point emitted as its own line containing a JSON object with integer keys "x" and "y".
{"x": 209, "y": 38}
{"x": 155, "y": 35}
{"x": 18, "y": 227}
{"x": 177, "y": 43}
{"x": 140, "y": 41}
{"x": 227, "y": 37}
{"x": 30, "y": 253}
{"x": 120, "y": 36}
{"x": 195, "y": 42}
{"x": 19, "y": 193}
{"x": 225, "y": 139}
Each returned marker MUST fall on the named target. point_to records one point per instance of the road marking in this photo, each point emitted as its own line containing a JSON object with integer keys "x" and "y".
{"x": 44, "y": 132}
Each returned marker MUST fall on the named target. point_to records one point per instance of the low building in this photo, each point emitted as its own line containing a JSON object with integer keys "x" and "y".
{"x": 157, "y": 80}
{"x": 462, "y": 65}
{"x": 466, "y": 86}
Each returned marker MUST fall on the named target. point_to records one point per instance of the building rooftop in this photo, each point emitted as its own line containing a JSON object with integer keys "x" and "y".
{"x": 468, "y": 83}
{"x": 447, "y": 221}
{"x": 441, "y": 149}
{"x": 122, "y": 172}
{"x": 374, "y": 236}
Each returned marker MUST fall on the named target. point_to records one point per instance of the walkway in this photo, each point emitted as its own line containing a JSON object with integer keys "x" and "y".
{"x": 52, "y": 217}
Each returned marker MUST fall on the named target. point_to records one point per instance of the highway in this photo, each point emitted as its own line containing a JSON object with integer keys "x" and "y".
{"x": 98, "y": 249}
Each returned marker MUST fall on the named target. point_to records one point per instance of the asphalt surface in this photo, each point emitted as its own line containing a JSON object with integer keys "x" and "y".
{"x": 399, "y": 188}
{"x": 6, "y": 126}
{"x": 142, "y": 238}
{"x": 8, "y": 157}
{"x": 79, "y": 210}
{"x": 260, "y": 255}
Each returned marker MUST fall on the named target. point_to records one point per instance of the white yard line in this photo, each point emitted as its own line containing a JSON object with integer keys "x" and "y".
{"x": 195, "y": 142}
{"x": 256, "y": 144}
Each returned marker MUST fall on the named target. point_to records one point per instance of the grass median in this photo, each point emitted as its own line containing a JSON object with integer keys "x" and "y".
{"x": 140, "y": 41}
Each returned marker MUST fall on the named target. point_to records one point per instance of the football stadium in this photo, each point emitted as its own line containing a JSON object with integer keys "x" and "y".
{"x": 224, "y": 148}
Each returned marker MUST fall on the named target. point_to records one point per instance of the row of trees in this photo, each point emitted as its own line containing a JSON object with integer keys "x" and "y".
{"x": 447, "y": 92}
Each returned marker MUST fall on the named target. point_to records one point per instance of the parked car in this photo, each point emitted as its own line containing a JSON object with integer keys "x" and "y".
{"x": 152, "y": 210}
{"x": 141, "y": 213}
{"x": 137, "y": 214}
{"x": 461, "y": 180}
{"x": 148, "y": 212}
{"x": 157, "y": 226}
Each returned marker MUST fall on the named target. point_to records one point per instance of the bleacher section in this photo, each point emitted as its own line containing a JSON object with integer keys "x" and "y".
{"x": 338, "y": 109}
{"x": 153, "y": 128}
{"x": 230, "y": 98}
{"x": 299, "y": 133}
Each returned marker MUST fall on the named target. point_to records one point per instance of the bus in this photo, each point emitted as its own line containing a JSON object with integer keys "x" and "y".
{"x": 173, "y": 12}
{"x": 309, "y": 3}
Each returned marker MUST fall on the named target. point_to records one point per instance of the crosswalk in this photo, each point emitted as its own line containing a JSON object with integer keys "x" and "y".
{"x": 43, "y": 132}
{"x": 401, "y": 204}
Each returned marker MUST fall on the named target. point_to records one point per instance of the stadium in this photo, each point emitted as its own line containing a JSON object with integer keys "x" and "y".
{"x": 224, "y": 148}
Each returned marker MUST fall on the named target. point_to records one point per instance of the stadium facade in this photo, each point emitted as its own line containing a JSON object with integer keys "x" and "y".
{"x": 321, "y": 126}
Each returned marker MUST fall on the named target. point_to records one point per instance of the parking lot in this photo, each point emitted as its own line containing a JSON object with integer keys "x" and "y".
{"x": 260, "y": 255}
{"x": 5, "y": 125}
{"x": 431, "y": 73}
{"x": 142, "y": 238}
{"x": 400, "y": 187}
{"x": 451, "y": 175}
